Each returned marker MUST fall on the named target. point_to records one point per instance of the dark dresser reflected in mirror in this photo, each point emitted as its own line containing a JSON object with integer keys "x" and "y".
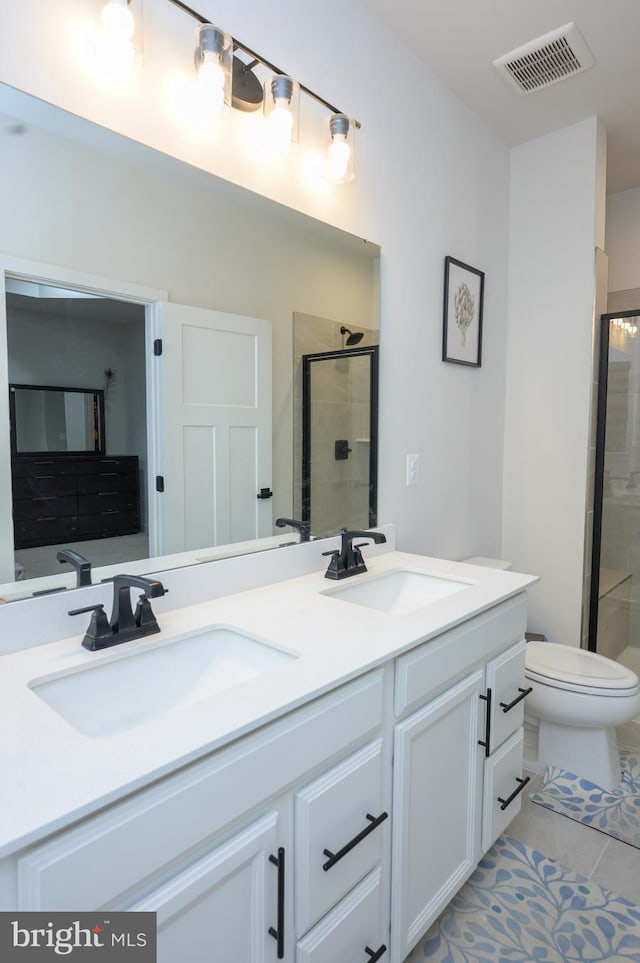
{"x": 65, "y": 487}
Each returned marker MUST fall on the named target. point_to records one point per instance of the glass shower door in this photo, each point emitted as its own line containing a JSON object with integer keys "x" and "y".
{"x": 614, "y": 629}
{"x": 339, "y": 439}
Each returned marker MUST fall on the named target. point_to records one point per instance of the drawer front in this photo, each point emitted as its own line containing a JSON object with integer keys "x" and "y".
{"x": 46, "y": 484}
{"x": 503, "y": 788}
{"x": 421, "y": 673}
{"x": 107, "y": 481}
{"x": 22, "y": 467}
{"x": 339, "y": 831}
{"x": 45, "y": 531}
{"x": 100, "y": 466}
{"x": 108, "y": 523}
{"x": 46, "y": 506}
{"x": 157, "y": 825}
{"x": 107, "y": 502}
{"x": 353, "y": 931}
{"x": 505, "y": 678}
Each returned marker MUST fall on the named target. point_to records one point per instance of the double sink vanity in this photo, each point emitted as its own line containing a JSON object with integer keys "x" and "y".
{"x": 304, "y": 770}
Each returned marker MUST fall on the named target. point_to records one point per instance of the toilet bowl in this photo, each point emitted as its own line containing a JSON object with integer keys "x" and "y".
{"x": 577, "y": 699}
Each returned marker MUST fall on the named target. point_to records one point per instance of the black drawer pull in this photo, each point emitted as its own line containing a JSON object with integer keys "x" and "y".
{"x": 523, "y": 695}
{"x": 486, "y": 744}
{"x": 374, "y": 822}
{"x": 45, "y": 498}
{"x": 375, "y": 954}
{"x": 278, "y": 934}
{"x": 516, "y": 792}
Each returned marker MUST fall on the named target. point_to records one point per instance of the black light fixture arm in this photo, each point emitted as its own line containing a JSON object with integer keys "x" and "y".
{"x": 258, "y": 59}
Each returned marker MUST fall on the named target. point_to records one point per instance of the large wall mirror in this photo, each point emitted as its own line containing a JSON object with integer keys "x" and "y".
{"x": 92, "y": 203}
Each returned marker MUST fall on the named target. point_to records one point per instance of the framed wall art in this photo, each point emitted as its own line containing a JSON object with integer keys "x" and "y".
{"x": 462, "y": 323}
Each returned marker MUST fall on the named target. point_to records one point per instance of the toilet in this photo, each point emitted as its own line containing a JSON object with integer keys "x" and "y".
{"x": 576, "y": 701}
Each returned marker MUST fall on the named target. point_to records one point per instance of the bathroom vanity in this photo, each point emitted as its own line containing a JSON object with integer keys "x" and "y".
{"x": 324, "y": 807}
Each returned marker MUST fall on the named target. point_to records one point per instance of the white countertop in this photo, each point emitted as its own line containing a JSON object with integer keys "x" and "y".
{"x": 53, "y": 775}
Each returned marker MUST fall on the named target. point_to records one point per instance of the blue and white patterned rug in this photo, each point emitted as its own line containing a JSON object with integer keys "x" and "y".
{"x": 615, "y": 813}
{"x": 522, "y": 907}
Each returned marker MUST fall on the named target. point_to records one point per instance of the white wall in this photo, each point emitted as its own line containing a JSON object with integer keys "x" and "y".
{"x": 623, "y": 240}
{"x": 432, "y": 180}
{"x": 556, "y": 220}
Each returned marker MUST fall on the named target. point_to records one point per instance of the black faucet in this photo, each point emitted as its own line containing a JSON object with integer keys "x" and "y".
{"x": 81, "y": 564}
{"x": 347, "y": 560}
{"x": 301, "y": 527}
{"x": 125, "y": 624}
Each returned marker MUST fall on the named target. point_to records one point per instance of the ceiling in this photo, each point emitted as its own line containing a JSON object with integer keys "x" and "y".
{"x": 460, "y": 39}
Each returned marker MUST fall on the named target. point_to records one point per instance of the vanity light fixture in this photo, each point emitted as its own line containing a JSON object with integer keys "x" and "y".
{"x": 212, "y": 60}
{"x": 281, "y": 99}
{"x": 115, "y": 49}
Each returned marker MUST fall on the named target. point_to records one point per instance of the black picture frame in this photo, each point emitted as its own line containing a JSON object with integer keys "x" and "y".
{"x": 462, "y": 317}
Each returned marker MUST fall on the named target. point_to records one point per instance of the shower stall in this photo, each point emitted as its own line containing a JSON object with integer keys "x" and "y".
{"x": 614, "y": 616}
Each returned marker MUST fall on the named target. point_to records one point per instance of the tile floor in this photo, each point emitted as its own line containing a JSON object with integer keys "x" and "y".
{"x": 608, "y": 862}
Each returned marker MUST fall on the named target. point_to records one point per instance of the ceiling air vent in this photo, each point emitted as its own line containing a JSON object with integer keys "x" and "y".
{"x": 547, "y": 60}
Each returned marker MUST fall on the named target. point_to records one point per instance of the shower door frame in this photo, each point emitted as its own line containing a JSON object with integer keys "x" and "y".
{"x": 371, "y": 351}
{"x": 598, "y": 481}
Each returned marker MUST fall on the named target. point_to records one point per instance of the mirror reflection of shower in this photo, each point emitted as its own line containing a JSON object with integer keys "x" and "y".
{"x": 350, "y": 338}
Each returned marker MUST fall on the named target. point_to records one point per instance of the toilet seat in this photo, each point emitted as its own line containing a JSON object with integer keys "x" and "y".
{"x": 573, "y": 669}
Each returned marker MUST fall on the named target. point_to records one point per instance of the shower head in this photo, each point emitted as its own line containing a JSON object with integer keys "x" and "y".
{"x": 353, "y": 337}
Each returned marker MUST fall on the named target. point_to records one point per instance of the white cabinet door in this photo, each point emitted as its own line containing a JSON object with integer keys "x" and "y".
{"x": 437, "y": 809}
{"x": 225, "y": 905}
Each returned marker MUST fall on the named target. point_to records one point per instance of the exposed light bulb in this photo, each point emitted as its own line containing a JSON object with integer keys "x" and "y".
{"x": 280, "y": 127}
{"x": 338, "y": 157}
{"x": 211, "y": 77}
{"x": 114, "y": 48}
{"x": 339, "y": 150}
{"x": 117, "y": 20}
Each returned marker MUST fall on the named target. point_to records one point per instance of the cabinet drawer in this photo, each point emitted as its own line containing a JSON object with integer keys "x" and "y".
{"x": 107, "y": 481}
{"x": 503, "y": 781}
{"x": 46, "y": 506}
{"x": 45, "y": 531}
{"x": 339, "y": 832}
{"x": 22, "y": 467}
{"x": 93, "y": 466}
{"x": 505, "y": 678}
{"x": 100, "y": 502}
{"x": 423, "y": 672}
{"x": 108, "y": 523}
{"x": 350, "y": 930}
{"x": 34, "y": 486}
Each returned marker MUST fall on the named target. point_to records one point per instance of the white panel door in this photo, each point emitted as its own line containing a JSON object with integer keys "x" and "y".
{"x": 216, "y": 433}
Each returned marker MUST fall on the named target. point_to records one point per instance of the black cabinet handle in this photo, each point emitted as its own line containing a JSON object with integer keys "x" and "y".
{"x": 278, "y": 934}
{"x": 487, "y": 724}
{"x": 375, "y": 954}
{"x": 505, "y": 706}
{"x": 516, "y": 792}
{"x": 265, "y": 493}
{"x": 374, "y": 822}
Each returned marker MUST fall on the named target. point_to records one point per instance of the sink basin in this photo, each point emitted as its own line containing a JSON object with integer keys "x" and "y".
{"x": 123, "y": 693}
{"x": 399, "y": 591}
